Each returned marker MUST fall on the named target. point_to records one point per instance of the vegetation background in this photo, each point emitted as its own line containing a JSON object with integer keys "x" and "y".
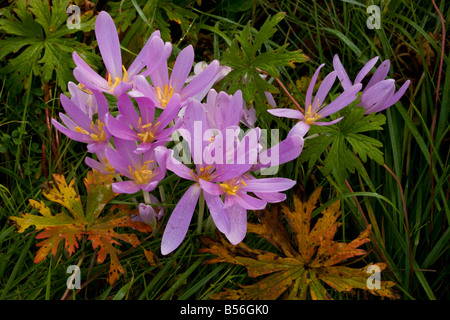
{"x": 405, "y": 200}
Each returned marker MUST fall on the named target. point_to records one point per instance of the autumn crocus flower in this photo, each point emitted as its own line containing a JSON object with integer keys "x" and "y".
{"x": 237, "y": 199}
{"x": 214, "y": 172}
{"x": 101, "y": 164}
{"x": 164, "y": 86}
{"x": 82, "y": 127}
{"x": 379, "y": 93}
{"x": 142, "y": 127}
{"x": 119, "y": 79}
{"x": 147, "y": 212}
{"x": 141, "y": 169}
{"x": 83, "y": 98}
{"x": 223, "y": 110}
{"x": 316, "y": 110}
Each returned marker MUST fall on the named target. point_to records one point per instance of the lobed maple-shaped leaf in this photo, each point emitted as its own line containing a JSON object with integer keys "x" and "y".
{"x": 69, "y": 227}
{"x": 310, "y": 257}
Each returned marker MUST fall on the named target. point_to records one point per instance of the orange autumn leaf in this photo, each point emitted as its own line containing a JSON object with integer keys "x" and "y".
{"x": 310, "y": 261}
{"x": 75, "y": 221}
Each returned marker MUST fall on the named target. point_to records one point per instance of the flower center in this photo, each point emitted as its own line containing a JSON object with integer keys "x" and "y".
{"x": 117, "y": 80}
{"x": 143, "y": 174}
{"x": 309, "y": 118}
{"x": 147, "y": 131}
{"x": 164, "y": 95}
{"x": 203, "y": 174}
{"x": 232, "y": 186}
{"x": 98, "y": 134}
{"x": 108, "y": 167}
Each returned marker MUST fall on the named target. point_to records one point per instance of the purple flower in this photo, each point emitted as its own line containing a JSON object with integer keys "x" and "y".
{"x": 148, "y": 214}
{"x": 237, "y": 199}
{"x": 225, "y": 174}
{"x": 283, "y": 152}
{"x": 164, "y": 86}
{"x": 82, "y": 127}
{"x": 379, "y": 93}
{"x": 316, "y": 109}
{"x": 141, "y": 169}
{"x": 223, "y": 110}
{"x": 225, "y": 165}
{"x": 119, "y": 79}
{"x": 202, "y": 65}
{"x": 101, "y": 164}
{"x": 83, "y": 98}
{"x": 143, "y": 127}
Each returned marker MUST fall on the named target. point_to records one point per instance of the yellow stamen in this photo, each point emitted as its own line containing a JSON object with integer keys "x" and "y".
{"x": 232, "y": 186}
{"x": 147, "y": 136}
{"x": 142, "y": 174}
{"x": 84, "y": 89}
{"x": 309, "y": 118}
{"x": 229, "y": 189}
{"x": 164, "y": 95}
{"x": 116, "y": 83}
{"x": 81, "y": 130}
{"x": 99, "y": 134}
{"x": 125, "y": 74}
{"x": 117, "y": 80}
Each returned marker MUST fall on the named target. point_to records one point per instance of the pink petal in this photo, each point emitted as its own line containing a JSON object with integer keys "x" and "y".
{"x": 88, "y": 73}
{"x": 120, "y": 129}
{"x": 329, "y": 123}
{"x": 219, "y": 215}
{"x": 273, "y": 197}
{"x": 179, "y": 220}
{"x": 182, "y": 68}
{"x": 365, "y": 70}
{"x": 341, "y": 73}
{"x": 211, "y": 188}
{"x": 199, "y": 87}
{"x": 322, "y": 93}
{"x": 140, "y": 61}
{"x": 394, "y": 98}
{"x": 81, "y": 137}
{"x": 80, "y": 118}
{"x": 249, "y": 202}
{"x": 238, "y": 228}
{"x": 128, "y": 186}
{"x": 309, "y": 93}
{"x": 380, "y": 74}
{"x": 267, "y": 185}
{"x": 109, "y": 44}
{"x": 178, "y": 168}
{"x": 118, "y": 162}
{"x": 286, "y": 113}
{"x": 127, "y": 112}
{"x": 343, "y": 100}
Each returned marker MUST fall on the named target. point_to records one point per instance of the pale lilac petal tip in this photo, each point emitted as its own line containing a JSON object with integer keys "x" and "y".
{"x": 179, "y": 220}
{"x": 109, "y": 44}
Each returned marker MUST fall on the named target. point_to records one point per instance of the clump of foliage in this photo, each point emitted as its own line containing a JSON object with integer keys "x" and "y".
{"x": 74, "y": 223}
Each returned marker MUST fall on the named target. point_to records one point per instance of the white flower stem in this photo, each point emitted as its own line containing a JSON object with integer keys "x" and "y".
{"x": 201, "y": 211}
{"x": 146, "y": 197}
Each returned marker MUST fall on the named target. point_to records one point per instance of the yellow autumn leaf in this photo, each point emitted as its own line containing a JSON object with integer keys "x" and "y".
{"x": 69, "y": 227}
{"x": 310, "y": 261}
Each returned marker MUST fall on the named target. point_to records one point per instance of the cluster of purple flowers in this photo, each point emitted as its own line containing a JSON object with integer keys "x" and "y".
{"x": 226, "y": 172}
